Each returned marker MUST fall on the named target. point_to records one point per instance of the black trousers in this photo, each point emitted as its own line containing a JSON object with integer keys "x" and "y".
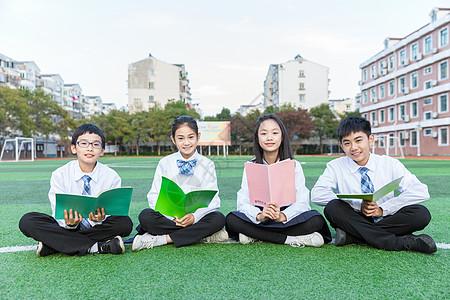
{"x": 155, "y": 223}
{"x": 383, "y": 234}
{"x": 277, "y": 235}
{"x": 45, "y": 229}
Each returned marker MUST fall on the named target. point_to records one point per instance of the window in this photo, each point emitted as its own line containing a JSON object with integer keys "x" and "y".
{"x": 373, "y": 118}
{"x": 151, "y": 72}
{"x": 301, "y": 73}
{"x": 443, "y": 136}
{"x": 391, "y": 88}
{"x": 381, "y": 116}
{"x": 381, "y": 141}
{"x": 427, "y": 132}
{"x": 374, "y": 97}
{"x": 414, "y": 51}
{"x": 382, "y": 67}
{"x": 414, "y": 109}
{"x": 373, "y": 73}
{"x": 443, "y": 103}
{"x": 151, "y": 85}
{"x": 301, "y": 86}
{"x": 391, "y": 62}
{"x": 443, "y": 37}
{"x": 391, "y": 140}
{"x": 443, "y": 70}
{"x": 414, "y": 80}
{"x": 365, "y": 97}
{"x": 301, "y": 98}
{"x": 427, "y": 70}
{"x": 401, "y": 84}
{"x": 382, "y": 91}
{"x": 427, "y": 115}
{"x": 401, "y": 57}
{"x": 391, "y": 116}
{"x": 427, "y": 85}
{"x": 413, "y": 139}
{"x": 151, "y": 98}
{"x": 402, "y": 112}
{"x": 401, "y": 138}
{"x": 348, "y": 107}
{"x": 427, "y": 101}
{"x": 427, "y": 44}
{"x": 365, "y": 75}
{"x": 365, "y": 116}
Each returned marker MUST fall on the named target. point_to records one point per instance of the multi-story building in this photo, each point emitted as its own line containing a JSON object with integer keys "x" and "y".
{"x": 92, "y": 106}
{"x": 107, "y": 107}
{"x": 9, "y": 72}
{"x": 29, "y": 74}
{"x": 152, "y": 81}
{"x": 340, "y": 106}
{"x": 53, "y": 85}
{"x": 299, "y": 82}
{"x": 405, "y": 91}
{"x": 72, "y": 100}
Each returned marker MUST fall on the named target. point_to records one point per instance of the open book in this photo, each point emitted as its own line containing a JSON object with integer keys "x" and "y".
{"x": 271, "y": 183}
{"x": 172, "y": 201}
{"x": 380, "y": 193}
{"x": 115, "y": 202}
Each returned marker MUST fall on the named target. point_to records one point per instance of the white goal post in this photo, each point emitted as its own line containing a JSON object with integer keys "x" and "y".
{"x": 19, "y": 143}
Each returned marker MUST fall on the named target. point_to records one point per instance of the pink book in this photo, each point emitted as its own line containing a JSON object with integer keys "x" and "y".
{"x": 271, "y": 183}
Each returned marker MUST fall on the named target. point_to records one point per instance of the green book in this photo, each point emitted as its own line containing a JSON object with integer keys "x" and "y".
{"x": 115, "y": 202}
{"x": 172, "y": 201}
{"x": 374, "y": 196}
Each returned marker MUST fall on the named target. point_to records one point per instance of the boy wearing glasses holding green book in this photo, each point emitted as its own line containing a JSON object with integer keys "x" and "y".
{"x": 77, "y": 234}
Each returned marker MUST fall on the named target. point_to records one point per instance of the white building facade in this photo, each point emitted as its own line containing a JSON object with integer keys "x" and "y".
{"x": 405, "y": 91}
{"x": 9, "y": 72}
{"x": 29, "y": 75}
{"x": 299, "y": 82}
{"x": 152, "y": 81}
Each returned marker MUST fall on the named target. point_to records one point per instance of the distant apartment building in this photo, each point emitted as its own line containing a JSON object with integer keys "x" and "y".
{"x": 107, "y": 107}
{"x": 93, "y": 106}
{"x": 299, "y": 82}
{"x": 341, "y": 106}
{"x": 9, "y": 72}
{"x": 73, "y": 100}
{"x": 53, "y": 85}
{"x": 405, "y": 91}
{"x": 152, "y": 81}
{"x": 29, "y": 75}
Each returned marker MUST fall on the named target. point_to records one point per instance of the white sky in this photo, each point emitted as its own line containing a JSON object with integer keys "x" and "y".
{"x": 226, "y": 46}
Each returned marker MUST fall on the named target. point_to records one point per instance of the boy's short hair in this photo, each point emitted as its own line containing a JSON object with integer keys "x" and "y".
{"x": 353, "y": 124}
{"x": 90, "y": 128}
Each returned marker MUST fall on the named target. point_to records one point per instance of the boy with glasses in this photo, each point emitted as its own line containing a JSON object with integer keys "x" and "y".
{"x": 77, "y": 234}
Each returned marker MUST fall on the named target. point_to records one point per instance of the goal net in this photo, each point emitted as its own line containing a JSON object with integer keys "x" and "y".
{"x": 18, "y": 149}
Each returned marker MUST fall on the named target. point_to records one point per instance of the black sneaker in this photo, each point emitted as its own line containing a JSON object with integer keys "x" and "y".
{"x": 113, "y": 246}
{"x": 44, "y": 250}
{"x": 419, "y": 243}
{"x": 341, "y": 237}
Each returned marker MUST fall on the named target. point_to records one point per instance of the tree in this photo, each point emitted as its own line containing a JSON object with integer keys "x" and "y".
{"x": 224, "y": 115}
{"x": 325, "y": 122}
{"x": 240, "y": 130}
{"x": 160, "y": 126}
{"x": 348, "y": 114}
{"x": 297, "y": 122}
{"x": 15, "y": 116}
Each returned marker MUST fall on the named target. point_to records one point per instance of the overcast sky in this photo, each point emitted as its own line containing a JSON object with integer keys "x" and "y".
{"x": 226, "y": 46}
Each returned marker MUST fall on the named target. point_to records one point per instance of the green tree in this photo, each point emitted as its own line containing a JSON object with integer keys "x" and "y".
{"x": 348, "y": 114}
{"x": 325, "y": 122}
{"x": 15, "y": 116}
{"x": 224, "y": 115}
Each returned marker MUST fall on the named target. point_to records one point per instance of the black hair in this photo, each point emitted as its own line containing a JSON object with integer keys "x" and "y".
{"x": 351, "y": 125}
{"x": 284, "y": 151}
{"x": 180, "y": 121}
{"x": 90, "y": 128}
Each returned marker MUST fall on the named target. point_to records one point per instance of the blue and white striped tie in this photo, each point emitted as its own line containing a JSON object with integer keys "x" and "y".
{"x": 367, "y": 186}
{"x": 86, "y": 191}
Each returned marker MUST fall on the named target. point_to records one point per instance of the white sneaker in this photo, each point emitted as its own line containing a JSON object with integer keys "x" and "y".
{"x": 244, "y": 240}
{"x": 218, "y": 237}
{"x": 314, "y": 239}
{"x": 143, "y": 241}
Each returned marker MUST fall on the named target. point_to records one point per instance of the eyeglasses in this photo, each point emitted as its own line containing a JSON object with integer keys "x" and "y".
{"x": 85, "y": 144}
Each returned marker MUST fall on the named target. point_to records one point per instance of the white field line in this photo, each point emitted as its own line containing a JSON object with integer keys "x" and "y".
{"x": 33, "y": 247}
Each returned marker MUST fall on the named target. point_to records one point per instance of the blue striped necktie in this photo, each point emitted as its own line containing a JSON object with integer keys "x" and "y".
{"x": 186, "y": 166}
{"x": 86, "y": 191}
{"x": 367, "y": 186}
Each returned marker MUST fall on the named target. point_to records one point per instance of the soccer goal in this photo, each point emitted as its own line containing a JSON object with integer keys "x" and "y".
{"x": 17, "y": 145}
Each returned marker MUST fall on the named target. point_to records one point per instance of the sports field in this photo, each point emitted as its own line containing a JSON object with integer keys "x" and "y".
{"x": 212, "y": 271}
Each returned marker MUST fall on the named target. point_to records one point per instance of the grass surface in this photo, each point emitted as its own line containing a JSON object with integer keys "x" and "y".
{"x": 217, "y": 271}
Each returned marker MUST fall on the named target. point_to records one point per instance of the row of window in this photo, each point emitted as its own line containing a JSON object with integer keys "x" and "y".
{"x": 442, "y": 134}
{"x": 415, "y": 55}
{"x": 443, "y": 107}
{"x": 402, "y": 86}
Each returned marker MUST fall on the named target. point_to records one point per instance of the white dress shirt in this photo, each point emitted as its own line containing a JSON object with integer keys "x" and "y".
{"x": 299, "y": 206}
{"x": 204, "y": 178}
{"x": 67, "y": 180}
{"x": 342, "y": 175}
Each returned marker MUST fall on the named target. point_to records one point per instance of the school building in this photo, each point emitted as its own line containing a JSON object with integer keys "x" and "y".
{"x": 405, "y": 91}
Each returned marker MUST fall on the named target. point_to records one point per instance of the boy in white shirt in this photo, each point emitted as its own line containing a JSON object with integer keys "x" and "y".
{"x": 386, "y": 224}
{"x": 77, "y": 234}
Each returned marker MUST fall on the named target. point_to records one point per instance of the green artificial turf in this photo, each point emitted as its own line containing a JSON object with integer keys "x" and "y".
{"x": 212, "y": 270}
